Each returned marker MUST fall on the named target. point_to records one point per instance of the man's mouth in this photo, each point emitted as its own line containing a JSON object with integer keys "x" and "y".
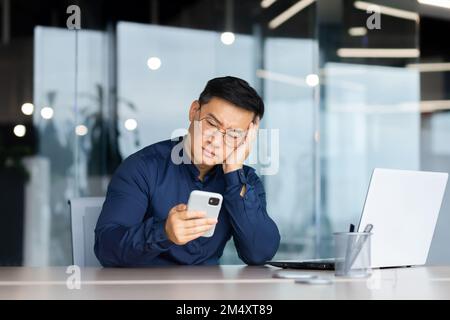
{"x": 208, "y": 153}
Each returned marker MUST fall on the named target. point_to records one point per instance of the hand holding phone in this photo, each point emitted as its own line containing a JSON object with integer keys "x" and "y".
{"x": 183, "y": 225}
{"x": 209, "y": 202}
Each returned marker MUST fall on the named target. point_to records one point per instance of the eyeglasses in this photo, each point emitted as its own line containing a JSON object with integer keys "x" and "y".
{"x": 232, "y": 137}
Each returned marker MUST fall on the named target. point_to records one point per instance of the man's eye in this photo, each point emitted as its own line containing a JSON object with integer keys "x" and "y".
{"x": 210, "y": 123}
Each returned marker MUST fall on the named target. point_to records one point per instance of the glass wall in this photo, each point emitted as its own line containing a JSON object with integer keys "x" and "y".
{"x": 347, "y": 88}
{"x": 291, "y": 109}
{"x": 370, "y": 103}
{"x": 70, "y": 91}
{"x": 103, "y": 95}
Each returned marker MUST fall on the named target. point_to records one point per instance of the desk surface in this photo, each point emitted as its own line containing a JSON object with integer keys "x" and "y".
{"x": 219, "y": 282}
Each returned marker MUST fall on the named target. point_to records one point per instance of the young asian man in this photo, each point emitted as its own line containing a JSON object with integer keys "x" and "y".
{"x": 144, "y": 220}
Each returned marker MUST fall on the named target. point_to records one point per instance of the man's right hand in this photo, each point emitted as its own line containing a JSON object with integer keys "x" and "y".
{"x": 183, "y": 226}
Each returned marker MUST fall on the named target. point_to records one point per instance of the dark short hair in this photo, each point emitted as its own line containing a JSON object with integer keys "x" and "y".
{"x": 234, "y": 90}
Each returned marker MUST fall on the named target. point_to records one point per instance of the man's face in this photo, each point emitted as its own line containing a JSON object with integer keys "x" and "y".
{"x": 209, "y": 145}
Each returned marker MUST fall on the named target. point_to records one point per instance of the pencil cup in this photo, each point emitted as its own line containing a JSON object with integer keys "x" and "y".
{"x": 352, "y": 254}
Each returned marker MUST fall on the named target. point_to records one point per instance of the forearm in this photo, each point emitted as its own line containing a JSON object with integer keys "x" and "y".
{"x": 120, "y": 246}
{"x": 256, "y": 235}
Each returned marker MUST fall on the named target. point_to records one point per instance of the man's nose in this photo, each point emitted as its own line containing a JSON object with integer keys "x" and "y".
{"x": 216, "y": 139}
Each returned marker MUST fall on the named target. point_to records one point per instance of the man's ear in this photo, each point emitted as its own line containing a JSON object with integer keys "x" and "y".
{"x": 195, "y": 106}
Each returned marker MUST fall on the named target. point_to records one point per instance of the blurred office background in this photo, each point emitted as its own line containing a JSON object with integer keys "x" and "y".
{"x": 345, "y": 98}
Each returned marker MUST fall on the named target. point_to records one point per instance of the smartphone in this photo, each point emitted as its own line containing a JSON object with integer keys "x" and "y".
{"x": 210, "y": 202}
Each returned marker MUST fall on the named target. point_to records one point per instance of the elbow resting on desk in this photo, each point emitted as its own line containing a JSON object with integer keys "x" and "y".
{"x": 106, "y": 255}
{"x": 261, "y": 252}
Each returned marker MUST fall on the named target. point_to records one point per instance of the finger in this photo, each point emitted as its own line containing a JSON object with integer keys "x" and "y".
{"x": 195, "y": 230}
{"x": 245, "y": 146}
{"x": 249, "y": 133}
{"x": 186, "y": 215}
{"x": 192, "y": 237}
{"x": 251, "y": 136}
{"x": 181, "y": 207}
{"x": 253, "y": 132}
{"x": 257, "y": 120}
{"x": 199, "y": 222}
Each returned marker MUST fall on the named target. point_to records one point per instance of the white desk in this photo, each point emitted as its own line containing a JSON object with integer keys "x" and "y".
{"x": 218, "y": 282}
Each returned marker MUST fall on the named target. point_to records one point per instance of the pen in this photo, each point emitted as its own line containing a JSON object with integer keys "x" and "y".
{"x": 368, "y": 228}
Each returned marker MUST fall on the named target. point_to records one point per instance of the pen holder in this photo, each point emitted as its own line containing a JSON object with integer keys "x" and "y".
{"x": 352, "y": 254}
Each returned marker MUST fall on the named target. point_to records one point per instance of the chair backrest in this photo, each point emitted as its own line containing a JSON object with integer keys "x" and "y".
{"x": 84, "y": 214}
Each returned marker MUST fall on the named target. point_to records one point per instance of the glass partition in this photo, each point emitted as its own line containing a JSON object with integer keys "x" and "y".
{"x": 70, "y": 90}
{"x": 370, "y": 103}
{"x": 347, "y": 86}
{"x": 103, "y": 95}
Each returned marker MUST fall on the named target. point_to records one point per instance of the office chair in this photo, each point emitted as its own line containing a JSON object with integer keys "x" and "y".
{"x": 84, "y": 214}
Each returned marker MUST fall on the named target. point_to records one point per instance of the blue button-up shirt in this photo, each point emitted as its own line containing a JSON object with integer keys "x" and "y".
{"x": 130, "y": 230}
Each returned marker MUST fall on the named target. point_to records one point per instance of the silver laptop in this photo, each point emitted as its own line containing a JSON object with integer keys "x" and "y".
{"x": 403, "y": 207}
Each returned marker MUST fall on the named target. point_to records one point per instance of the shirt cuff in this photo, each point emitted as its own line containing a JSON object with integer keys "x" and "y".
{"x": 235, "y": 181}
{"x": 159, "y": 239}
{"x": 235, "y": 178}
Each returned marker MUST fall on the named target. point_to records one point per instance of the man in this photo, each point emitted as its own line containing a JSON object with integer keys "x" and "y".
{"x": 144, "y": 220}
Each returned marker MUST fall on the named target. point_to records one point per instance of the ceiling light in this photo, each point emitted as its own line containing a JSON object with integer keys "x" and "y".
{"x": 437, "y": 3}
{"x": 81, "y": 130}
{"x": 312, "y": 80}
{"x": 357, "y": 31}
{"x": 267, "y": 3}
{"x": 377, "y": 53}
{"x": 389, "y": 11}
{"x": 154, "y": 63}
{"x": 430, "y": 67}
{"x": 227, "y": 38}
{"x": 20, "y": 130}
{"x": 130, "y": 124}
{"x": 289, "y": 13}
{"x": 47, "y": 113}
{"x": 27, "y": 109}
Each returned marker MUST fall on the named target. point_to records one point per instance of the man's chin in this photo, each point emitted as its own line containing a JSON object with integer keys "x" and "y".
{"x": 209, "y": 161}
{"x": 205, "y": 161}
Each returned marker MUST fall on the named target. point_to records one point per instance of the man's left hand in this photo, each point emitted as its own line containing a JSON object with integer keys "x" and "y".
{"x": 236, "y": 159}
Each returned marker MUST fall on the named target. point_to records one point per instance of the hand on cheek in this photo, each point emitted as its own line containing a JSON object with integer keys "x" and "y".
{"x": 235, "y": 159}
